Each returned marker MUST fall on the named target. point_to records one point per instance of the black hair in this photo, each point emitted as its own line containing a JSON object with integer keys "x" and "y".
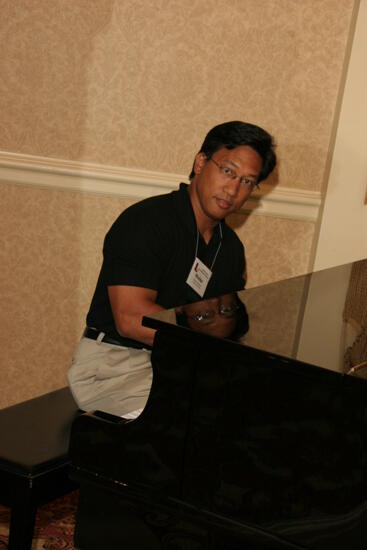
{"x": 235, "y": 133}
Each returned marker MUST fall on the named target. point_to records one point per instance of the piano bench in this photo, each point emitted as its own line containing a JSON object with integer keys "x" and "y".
{"x": 34, "y": 459}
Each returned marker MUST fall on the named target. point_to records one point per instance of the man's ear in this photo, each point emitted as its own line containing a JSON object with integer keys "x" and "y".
{"x": 199, "y": 163}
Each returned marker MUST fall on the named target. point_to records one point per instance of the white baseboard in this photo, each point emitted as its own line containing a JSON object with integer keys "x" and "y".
{"x": 281, "y": 202}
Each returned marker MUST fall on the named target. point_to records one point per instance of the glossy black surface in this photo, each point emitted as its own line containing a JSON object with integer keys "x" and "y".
{"x": 300, "y": 318}
{"x": 254, "y": 444}
{"x": 34, "y": 461}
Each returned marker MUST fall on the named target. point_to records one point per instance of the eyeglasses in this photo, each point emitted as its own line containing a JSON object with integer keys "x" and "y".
{"x": 229, "y": 174}
{"x": 228, "y": 312}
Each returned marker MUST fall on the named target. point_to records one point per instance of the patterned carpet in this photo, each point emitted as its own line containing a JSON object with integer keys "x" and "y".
{"x": 54, "y": 525}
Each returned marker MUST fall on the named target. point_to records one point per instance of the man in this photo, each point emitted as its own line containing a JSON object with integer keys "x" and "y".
{"x": 164, "y": 252}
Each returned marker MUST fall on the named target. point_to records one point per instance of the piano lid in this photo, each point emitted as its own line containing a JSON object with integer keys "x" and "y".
{"x": 318, "y": 318}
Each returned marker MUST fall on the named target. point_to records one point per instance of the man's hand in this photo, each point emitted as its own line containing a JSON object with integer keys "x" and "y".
{"x": 129, "y": 304}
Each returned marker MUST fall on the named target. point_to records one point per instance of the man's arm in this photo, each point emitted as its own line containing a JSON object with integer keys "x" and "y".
{"x": 129, "y": 304}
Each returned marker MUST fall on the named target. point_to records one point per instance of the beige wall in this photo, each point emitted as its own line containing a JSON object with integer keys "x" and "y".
{"x": 343, "y": 232}
{"x": 137, "y": 84}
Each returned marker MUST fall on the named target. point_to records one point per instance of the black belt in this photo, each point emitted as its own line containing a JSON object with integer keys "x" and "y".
{"x": 93, "y": 334}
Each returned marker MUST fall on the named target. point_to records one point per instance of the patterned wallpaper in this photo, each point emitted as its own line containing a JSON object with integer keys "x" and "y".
{"x": 137, "y": 83}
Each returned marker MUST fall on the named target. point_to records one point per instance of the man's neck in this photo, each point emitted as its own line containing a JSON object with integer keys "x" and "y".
{"x": 204, "y": 224}
{"x": 207, "y": 233}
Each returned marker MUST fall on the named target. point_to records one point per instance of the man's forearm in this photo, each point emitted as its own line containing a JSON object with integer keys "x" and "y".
{"x": 129, "y": 305}
{"x": 130, "y": 326}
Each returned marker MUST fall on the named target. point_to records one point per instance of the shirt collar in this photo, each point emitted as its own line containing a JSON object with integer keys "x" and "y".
{"x": 186, "y": 212}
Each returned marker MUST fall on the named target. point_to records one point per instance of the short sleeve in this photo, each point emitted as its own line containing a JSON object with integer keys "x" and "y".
{"x": 135, "y": 249}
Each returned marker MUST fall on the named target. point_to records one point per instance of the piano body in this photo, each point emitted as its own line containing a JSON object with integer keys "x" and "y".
{"x": 256, "y": 440}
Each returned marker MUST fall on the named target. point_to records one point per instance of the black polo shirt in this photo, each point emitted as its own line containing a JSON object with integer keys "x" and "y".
{"x": 152, "y": 245}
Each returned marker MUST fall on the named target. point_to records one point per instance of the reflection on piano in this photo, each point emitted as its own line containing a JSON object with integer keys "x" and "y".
{"x": 253, "y": 436}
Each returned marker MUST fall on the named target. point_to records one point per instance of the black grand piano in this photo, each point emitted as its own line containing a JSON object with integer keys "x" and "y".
{"x": 254, "y": 435}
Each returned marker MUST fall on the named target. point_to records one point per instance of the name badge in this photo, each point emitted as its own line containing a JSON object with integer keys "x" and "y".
{"x": 199, "y": 277}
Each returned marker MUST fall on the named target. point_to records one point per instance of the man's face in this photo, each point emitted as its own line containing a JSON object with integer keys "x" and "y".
{"x": 216, "y": 191}
{"x": 215, "y": 316}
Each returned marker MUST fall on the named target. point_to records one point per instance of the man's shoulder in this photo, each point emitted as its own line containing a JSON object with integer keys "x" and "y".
{"x": 151, "y": 211}
{"x": 230, "y": 234}
{"x": 150, "y": 206}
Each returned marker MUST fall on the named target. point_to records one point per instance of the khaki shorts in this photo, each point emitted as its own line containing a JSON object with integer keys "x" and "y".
{"x": 110, "y": 378}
